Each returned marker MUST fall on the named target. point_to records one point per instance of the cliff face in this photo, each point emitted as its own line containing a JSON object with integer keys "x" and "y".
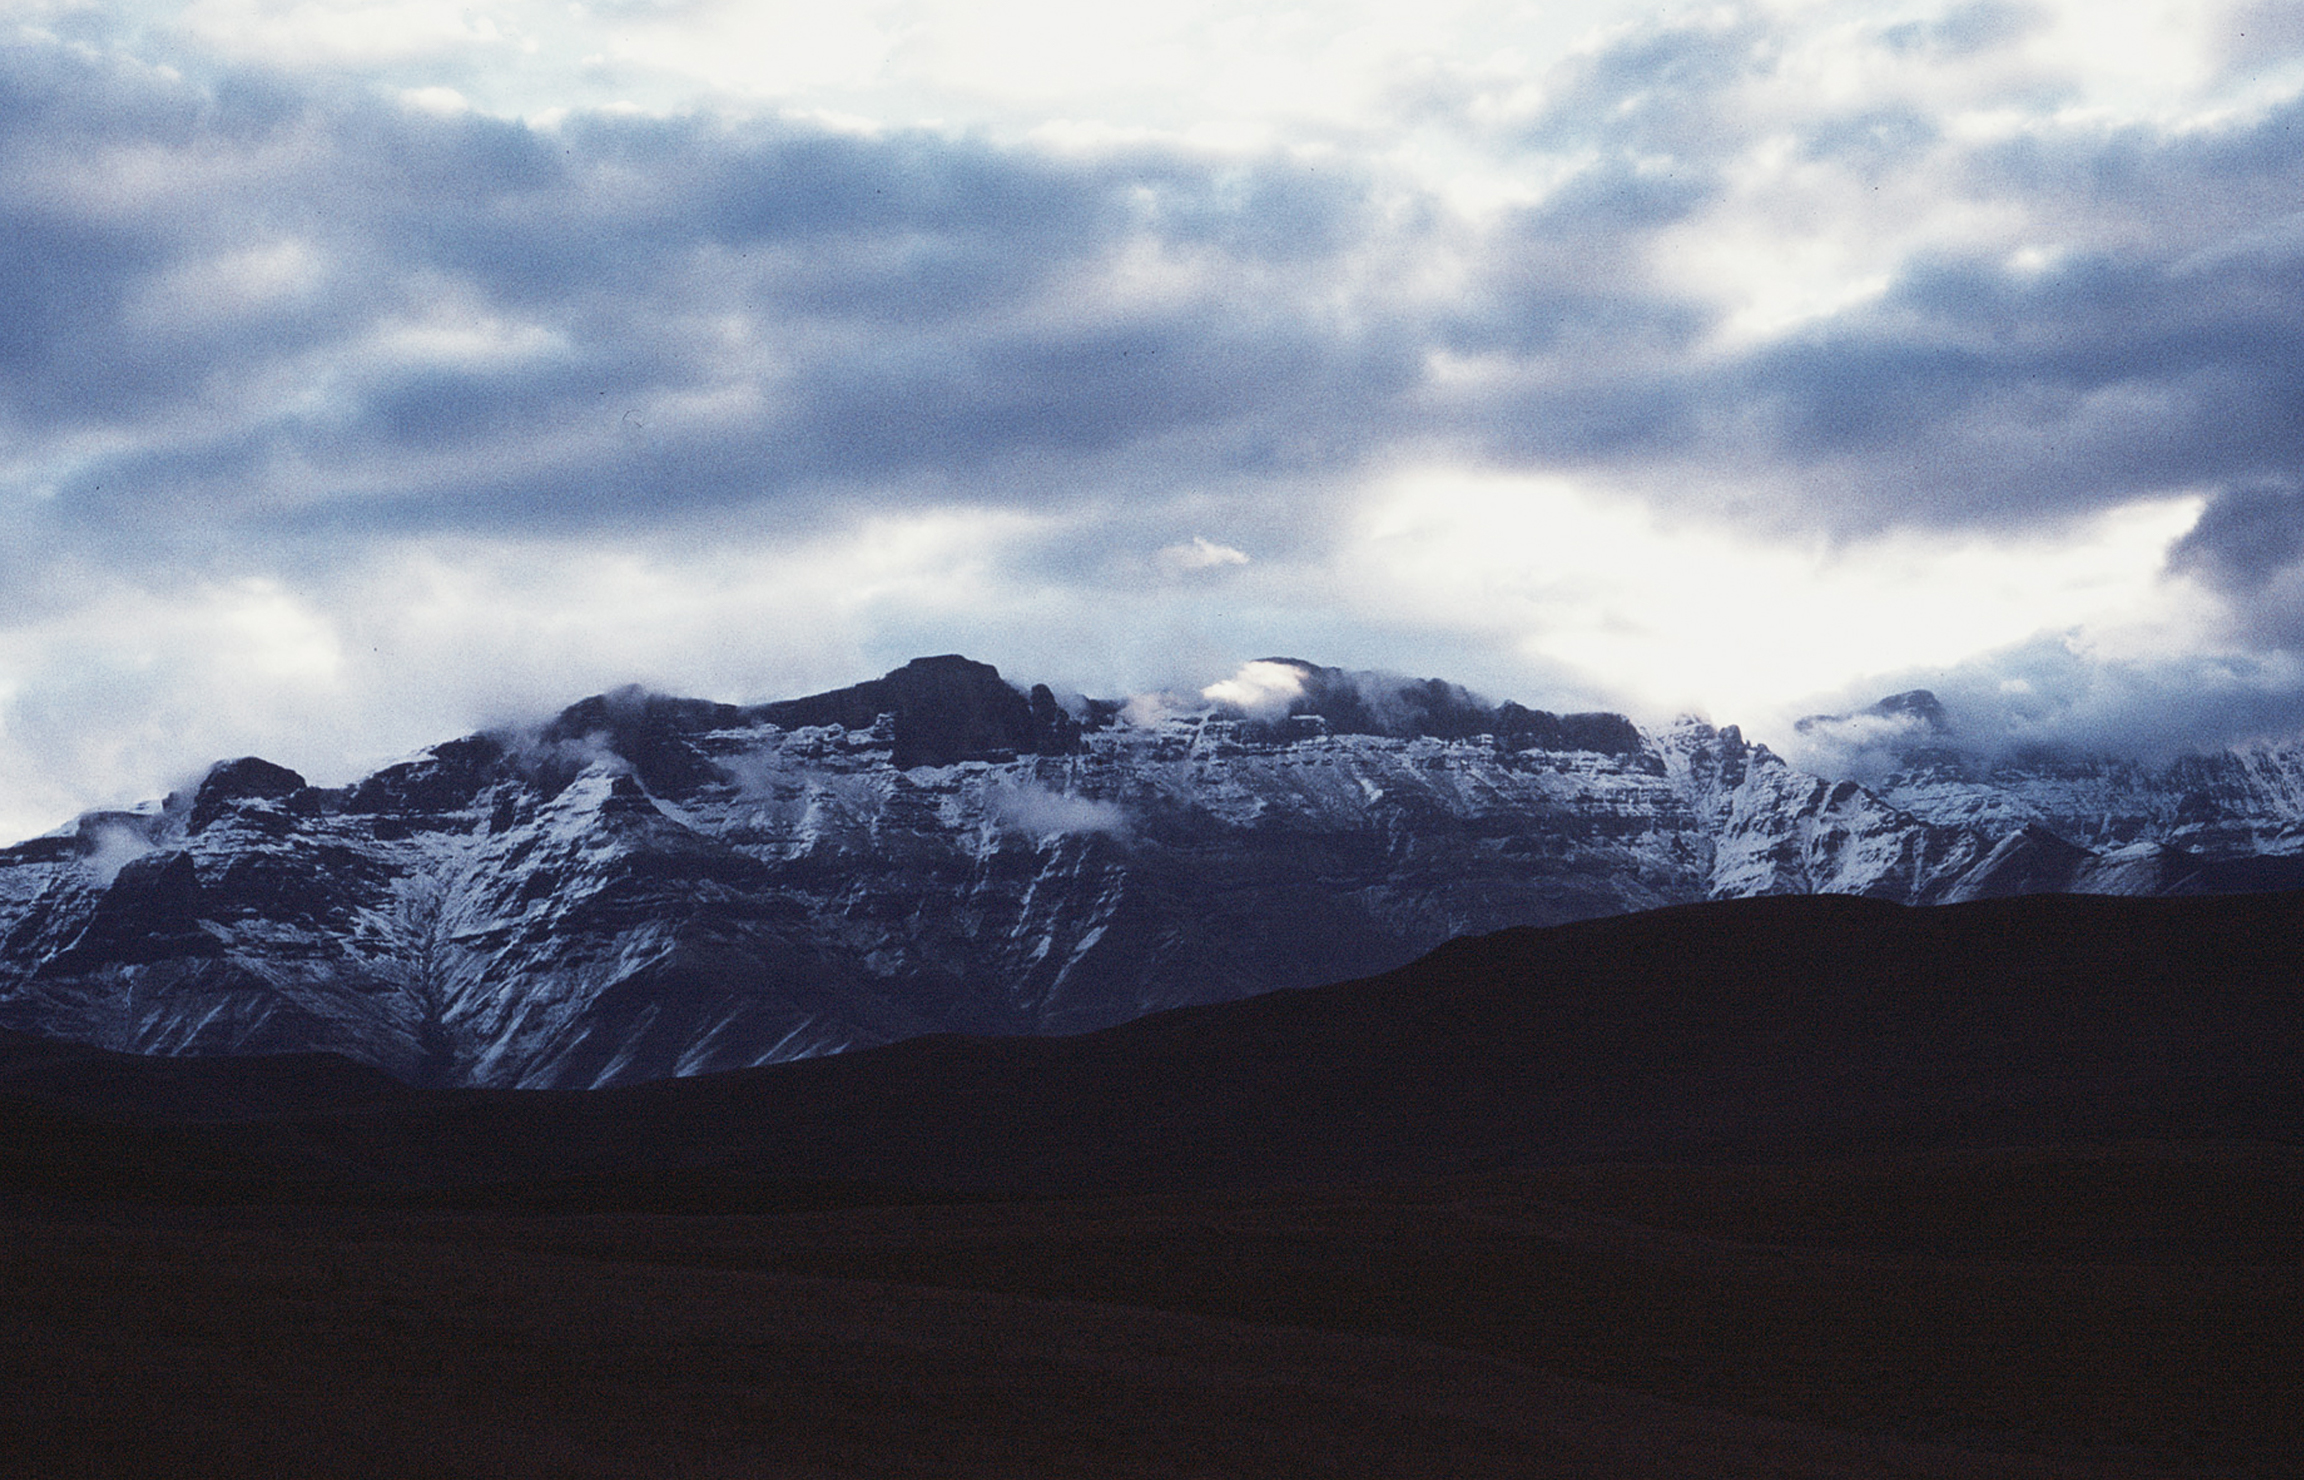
{"x": 650, "y": 886}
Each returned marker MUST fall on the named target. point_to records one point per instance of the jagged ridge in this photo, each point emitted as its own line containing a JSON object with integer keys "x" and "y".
{"x": 648, "y": 886}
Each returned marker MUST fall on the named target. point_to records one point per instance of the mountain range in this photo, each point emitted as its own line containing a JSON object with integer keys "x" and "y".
{"x": 648, "y": 886}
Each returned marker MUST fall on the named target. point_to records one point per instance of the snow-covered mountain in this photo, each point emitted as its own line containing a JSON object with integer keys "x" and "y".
{"x": 649, "y": 886}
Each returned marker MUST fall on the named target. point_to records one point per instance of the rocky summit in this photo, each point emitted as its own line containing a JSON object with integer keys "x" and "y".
{"x": 649, "y": 886}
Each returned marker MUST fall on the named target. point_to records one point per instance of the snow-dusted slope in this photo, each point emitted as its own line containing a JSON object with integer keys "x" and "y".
{"x": 651, "y": 886}
{"x": 2235, "y": 802}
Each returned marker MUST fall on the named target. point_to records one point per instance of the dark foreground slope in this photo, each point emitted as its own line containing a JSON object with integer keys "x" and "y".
{"x": 1783, "y": 1187}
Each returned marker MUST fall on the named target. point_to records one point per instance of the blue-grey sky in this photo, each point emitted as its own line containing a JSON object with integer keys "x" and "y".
{"x": 371, "y": 370}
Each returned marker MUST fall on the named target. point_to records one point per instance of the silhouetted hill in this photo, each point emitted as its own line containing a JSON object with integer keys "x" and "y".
{"x": 1748, "y": 1030}
{"x": 1745, "y": 1030}
{"x": 1805, "y": 1189}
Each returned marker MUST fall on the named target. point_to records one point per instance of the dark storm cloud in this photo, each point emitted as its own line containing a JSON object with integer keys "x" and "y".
{"x": 662, "y": 314}
{"x": 2250, "y": 543}
{"x": 2157, "y": 346}
{"x": 2247, "y": 536}
{"x": 1563, "y": 277}
{"x": 71, "y": 258}
{"x": 1975, "y": 393}
{"x": 666, "y": 313}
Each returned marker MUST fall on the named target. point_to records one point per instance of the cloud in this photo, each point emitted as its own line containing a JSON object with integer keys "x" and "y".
{"x": 1698, "y": 613}
{"x": 381, "y": 318}
{"x": 1039, "y": 812}
{"x": 1742, "y": 325}
{"x": 2249, "y": 536}
{"x": 2006, "y": 345}
{"x": 2055, "y": 693}
{"x": 316, "y": 315}
{"x": 112, "y": 847}
{"x": 1198, "y": 554}
{"x": 1262, "y": 690}
{"x": 301, "y": 32}
{"x": 1875, "y": 739}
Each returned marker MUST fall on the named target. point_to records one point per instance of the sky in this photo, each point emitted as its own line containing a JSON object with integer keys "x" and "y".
{"x": 375, "y": 370}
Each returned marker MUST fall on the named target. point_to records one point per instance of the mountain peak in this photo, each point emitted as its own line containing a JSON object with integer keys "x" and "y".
{"x": 247, "y": 777}
{"x": 1919, "y": 705}
{"x": 1371, "y": 703}
{"x": 1915, "y": 714}
{"x": 733, "y": 884}
{"x": 947, "y": 708}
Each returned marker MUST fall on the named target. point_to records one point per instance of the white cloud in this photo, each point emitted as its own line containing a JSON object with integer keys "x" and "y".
{"x": 238, "y": 284}
{"x": 128, "y": 692}
{"x": 116, "y": 847}
{"x": 1039, "y": 812}
{"x": 1687, "y": 614}
{"x": 1262, "y": 688}
{"x": 302, "y": 33}
{"x": 1828, "y": 339}
{"x": 121, "y": 690}
{"x": 444, "y": 102}
{"x": 1200, "y": 553}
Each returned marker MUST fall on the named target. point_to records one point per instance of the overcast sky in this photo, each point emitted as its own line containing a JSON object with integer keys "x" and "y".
{"x": 373, "y": 371}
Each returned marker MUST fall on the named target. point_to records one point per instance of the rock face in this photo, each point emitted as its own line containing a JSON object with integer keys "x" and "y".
{"x": 649, "y": 886}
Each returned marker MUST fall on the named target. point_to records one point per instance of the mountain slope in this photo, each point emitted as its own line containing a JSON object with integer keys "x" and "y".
{"x": 1734, "y": 1031}
{"x": 1812, "y": 1187}
{"x": 649, "y": 886}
